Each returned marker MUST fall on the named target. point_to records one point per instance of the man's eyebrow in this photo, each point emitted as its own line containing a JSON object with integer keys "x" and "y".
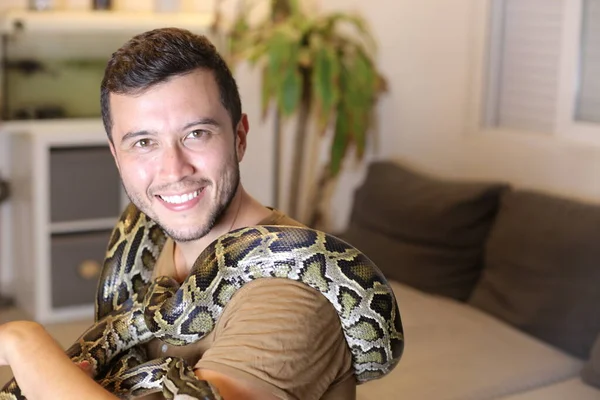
{"x": 202, "y": 121}
{"x": 134, "y": 134}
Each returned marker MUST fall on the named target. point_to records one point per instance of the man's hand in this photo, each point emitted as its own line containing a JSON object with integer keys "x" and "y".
{"x": 86, "y": 367}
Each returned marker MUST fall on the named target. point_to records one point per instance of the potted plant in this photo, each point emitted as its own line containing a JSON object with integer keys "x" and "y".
{"x": 321, "y": 68}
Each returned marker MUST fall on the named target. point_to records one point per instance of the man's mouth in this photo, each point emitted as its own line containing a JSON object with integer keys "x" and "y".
{"x": 180, "y": 199}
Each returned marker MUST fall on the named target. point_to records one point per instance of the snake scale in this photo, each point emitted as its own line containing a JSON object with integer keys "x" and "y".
{"x": 131, "y": 309}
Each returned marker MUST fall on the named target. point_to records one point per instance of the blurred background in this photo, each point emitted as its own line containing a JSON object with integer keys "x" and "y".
{"x": 503, "y": 91}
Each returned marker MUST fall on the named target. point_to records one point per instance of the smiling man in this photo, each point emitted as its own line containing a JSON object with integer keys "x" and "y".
{"x": 173, "y": 115}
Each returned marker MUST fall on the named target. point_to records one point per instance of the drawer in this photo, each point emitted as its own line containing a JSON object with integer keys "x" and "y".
{"x": 77, "y": 260}
{"x": 84, "y": 184}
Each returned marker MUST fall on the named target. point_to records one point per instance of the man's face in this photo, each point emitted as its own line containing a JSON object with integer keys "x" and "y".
{"x": 177, "y": 153}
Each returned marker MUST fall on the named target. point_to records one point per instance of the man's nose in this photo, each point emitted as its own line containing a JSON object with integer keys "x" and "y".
{"x": 175, "y": 164}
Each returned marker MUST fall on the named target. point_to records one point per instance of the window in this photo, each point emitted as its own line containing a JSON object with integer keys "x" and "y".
{"x": 542, "y": 67}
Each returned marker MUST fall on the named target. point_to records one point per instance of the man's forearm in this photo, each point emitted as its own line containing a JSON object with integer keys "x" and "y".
{"x": 41, "y": 367}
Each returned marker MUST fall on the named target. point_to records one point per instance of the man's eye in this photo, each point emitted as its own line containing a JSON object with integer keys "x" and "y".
{"x": 196, "y": 134}
{"x": 142, "y": 143}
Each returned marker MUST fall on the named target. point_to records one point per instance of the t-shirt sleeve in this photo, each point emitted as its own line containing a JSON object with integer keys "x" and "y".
{"x": 282, "y": 336}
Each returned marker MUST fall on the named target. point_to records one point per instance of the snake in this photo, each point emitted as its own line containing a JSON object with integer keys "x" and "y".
{"x": 132, "y": 308}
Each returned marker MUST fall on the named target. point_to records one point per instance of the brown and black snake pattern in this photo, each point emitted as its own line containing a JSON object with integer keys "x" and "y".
{"x": 131, "y": 309}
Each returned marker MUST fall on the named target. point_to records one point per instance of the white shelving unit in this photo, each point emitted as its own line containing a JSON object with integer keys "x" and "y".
{"x": 57, "y": 248}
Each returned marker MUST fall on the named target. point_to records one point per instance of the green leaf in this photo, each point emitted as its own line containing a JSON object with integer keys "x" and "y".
{"x": 294, "y": 6}
{"x": 325, "y": 81}
{"x": 340, "y": 142}
{"x": 282, "y": 9}
{"x": 366, "y": 73}
{"x": 360, "y": 87}
{"x": 285, "y": 81}
{"x": 256, "y": 52}
{"x": 240, "y": 26}
{"x": 289, "y": 96}
{"x": 359, "y": 133}
{"x": 267, "y": 92}
{"x": 278, "y": 52}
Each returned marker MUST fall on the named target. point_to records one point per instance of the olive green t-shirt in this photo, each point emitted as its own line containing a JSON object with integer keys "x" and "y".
{"x": 278, "y": 334}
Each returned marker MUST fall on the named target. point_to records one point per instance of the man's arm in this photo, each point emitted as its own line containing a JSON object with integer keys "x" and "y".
{"x": 43, "y": 371}
{"x": 276, "y": 339}
{"x": 41, "y": 367}
{"x": 232, "y": 388}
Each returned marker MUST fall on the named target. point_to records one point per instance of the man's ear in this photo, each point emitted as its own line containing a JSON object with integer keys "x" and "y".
{"x": 241, "y": 133}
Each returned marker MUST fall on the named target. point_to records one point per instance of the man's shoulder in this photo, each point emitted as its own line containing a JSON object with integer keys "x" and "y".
{"x": 266, "y": 293}
{"x": 277, "y": 217}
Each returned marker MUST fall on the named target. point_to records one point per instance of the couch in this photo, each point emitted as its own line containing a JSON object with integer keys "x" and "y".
{"x": 498, "y": 287}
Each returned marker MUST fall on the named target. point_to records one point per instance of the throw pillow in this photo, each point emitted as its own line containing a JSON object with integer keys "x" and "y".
{"x": 541, "y": 269}
{"x": 591, "y": 370}
{"x": 423, "y": 231}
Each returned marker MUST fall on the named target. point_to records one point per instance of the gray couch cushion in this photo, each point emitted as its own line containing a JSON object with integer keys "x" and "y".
{"x": 542, "y": 268}
{"x": 457, "y": 352}
{"x": 422, "y": 231}
{"x": 591, "y": 370}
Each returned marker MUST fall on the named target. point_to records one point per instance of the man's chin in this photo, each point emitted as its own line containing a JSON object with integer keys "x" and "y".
{"x": 185, "y": 236}
{"x": 179, "y": 229}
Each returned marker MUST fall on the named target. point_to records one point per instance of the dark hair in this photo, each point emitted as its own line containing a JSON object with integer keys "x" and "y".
{"x": 155, "y": 56}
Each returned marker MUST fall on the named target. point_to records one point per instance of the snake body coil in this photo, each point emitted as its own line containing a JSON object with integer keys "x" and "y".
{"x": 131, "y": 310}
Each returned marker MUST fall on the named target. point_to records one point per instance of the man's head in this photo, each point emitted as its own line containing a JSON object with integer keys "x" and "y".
{"x": 158, "y": 55}
{"x": 173, "y": 115}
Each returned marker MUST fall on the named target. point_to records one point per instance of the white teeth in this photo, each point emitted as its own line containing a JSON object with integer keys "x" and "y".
{"x": 180, "y": 199}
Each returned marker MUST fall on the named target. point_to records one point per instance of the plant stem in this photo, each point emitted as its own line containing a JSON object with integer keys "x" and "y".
{"x": 277, "y": 160}
{"x": 299, "y": 144}
{"x": 315, "y": 219}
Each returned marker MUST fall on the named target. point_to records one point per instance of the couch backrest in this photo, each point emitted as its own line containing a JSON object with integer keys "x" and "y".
{"x": 542, "y": 269}
{"x": 423, "y": 231}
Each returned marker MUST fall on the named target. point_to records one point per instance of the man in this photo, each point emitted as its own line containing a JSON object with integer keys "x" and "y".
{"x": 173, "y": 116}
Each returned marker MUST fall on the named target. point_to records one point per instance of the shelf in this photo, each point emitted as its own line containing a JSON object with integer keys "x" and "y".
{"x": 59, "y": 132}
{"x": 51, "y": 126}
{"x": 60, "y": 170}
{"x": 99, "y": 21}
{"x": 83, "y": 225}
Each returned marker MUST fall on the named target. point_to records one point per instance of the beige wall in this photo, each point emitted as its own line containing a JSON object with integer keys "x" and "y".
{"x": 429, "y": 52}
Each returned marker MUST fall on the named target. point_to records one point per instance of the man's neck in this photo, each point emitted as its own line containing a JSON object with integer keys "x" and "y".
{"x": 243, "y": 211}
